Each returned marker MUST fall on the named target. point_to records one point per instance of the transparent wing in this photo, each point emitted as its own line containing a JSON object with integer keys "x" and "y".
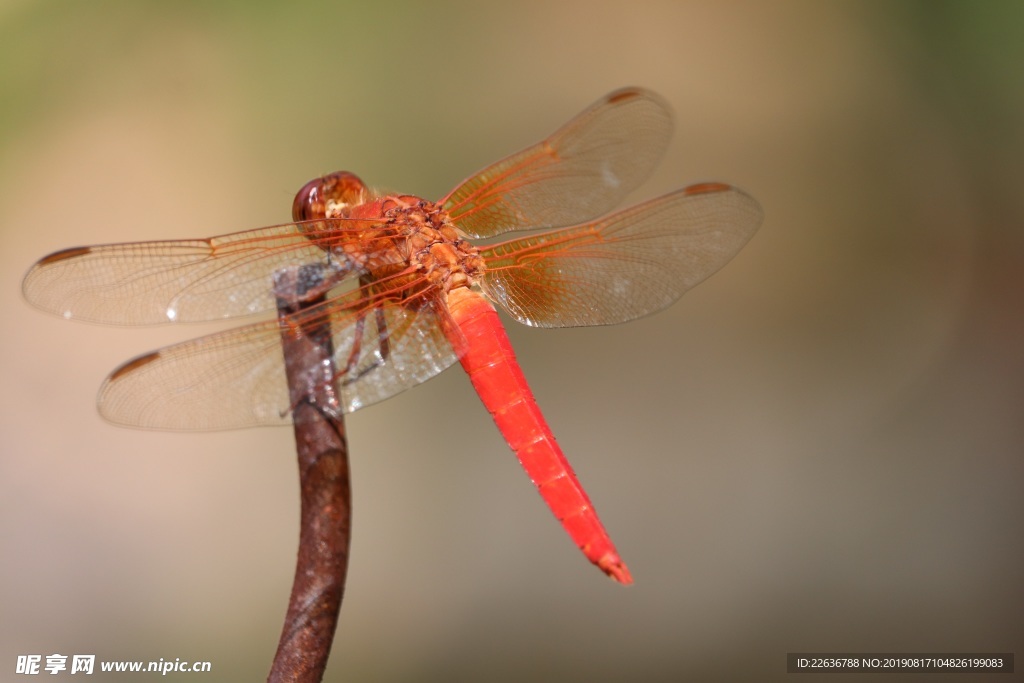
{"x": 145, "y": 283}
{"x": 582, "y": 171}
{"x": 237, "y": 378}
{"x": 623, "y": 266}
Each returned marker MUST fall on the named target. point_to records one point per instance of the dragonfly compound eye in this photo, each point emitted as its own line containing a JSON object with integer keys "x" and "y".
{"x": 329, "y": 196}
{"x": 308, "y": 205}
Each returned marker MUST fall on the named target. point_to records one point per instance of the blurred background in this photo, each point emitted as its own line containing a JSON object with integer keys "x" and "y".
{"x": 819, "y": 449}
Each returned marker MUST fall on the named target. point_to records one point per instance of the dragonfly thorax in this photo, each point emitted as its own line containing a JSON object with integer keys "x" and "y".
{"x": 430, "y": 242}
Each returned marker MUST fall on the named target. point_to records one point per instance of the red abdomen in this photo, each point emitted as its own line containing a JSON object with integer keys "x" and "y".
{"x": 487, "y": 357}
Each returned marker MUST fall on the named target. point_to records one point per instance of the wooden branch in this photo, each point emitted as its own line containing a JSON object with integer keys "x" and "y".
{"x": 324, "y": 480}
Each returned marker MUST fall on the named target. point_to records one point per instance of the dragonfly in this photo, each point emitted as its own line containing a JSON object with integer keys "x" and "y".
{"x": 406, "y": 293}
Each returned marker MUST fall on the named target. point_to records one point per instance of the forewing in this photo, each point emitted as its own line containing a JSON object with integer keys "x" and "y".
{"x": 624, "y": 266}
{"x": 582, "y": 171}
{"x": 145, "y": 283}
{"x": 237, "y": 379}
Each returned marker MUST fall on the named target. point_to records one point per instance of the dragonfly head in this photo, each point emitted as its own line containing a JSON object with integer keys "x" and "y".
{"x": 329, "y": 196}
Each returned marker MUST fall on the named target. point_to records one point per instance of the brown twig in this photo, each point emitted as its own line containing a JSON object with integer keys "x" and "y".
{"x": 324, "y": 478}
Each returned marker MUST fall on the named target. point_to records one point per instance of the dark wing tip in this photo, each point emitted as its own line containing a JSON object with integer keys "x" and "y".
{"x": 63, "y": 255}
{"x": 707, "y": 188}
{"x": 133, "y": 364}
{"x": 624, "y": 94}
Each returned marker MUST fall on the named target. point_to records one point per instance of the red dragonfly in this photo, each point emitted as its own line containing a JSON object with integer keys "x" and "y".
{"x": 407, "y": 295}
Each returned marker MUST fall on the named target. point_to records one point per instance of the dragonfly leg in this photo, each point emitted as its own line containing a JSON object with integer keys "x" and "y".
{"x": 383, "y": 347}
{"x": 357, "y": 345}
{"x": 382, "y": 335}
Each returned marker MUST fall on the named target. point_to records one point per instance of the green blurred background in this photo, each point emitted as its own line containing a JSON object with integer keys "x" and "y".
{"x": 820, "y": 449}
